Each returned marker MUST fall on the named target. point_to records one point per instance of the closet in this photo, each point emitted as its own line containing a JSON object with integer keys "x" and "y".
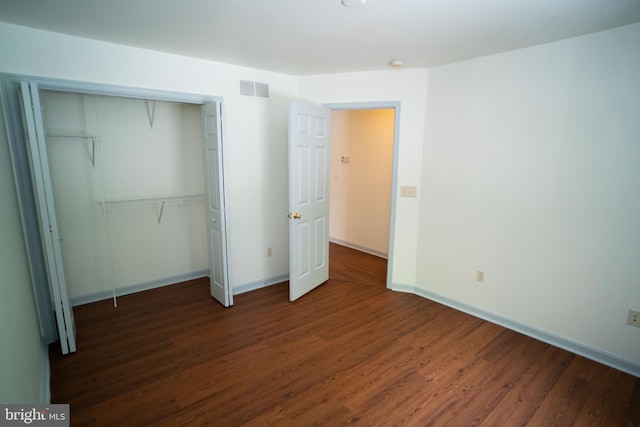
{"x": 120, "y": 189}
{"x": 127, "y": 177}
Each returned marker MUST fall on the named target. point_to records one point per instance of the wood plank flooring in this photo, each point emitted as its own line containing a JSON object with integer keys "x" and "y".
{"x": 350, "y": 352}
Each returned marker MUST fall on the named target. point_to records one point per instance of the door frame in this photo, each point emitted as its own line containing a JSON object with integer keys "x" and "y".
{"x": 379, "y": 105}
{"x": 22, "y": 169}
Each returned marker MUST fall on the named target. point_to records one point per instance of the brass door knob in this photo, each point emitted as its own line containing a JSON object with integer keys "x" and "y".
{"x": 295, "y": 215}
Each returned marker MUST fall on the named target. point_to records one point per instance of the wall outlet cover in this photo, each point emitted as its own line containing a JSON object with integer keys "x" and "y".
{"x": 634, "y": 318}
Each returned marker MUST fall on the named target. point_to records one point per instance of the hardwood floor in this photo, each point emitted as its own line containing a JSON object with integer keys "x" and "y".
{"x": 350, "y": 352}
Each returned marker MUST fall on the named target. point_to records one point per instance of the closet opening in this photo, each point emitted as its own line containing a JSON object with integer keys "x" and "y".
{"x": 116, "y": 188}
{"x": 128, "y": 187}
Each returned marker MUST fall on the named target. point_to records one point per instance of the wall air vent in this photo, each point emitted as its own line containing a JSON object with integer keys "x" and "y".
{"x": 256, "y": 89}
{"x": 262, "y": 90}
{"x": 247, "y": 88}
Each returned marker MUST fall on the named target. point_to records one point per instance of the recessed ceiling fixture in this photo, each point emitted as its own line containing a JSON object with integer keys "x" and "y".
{"x": 396, "y": 63}
{"x": 353, "y": 3}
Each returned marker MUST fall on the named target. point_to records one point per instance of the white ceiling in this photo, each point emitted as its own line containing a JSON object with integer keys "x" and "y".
{"x": 303, "y": 37}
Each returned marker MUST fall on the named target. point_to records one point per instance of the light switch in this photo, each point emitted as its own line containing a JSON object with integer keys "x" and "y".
{"x": 408, "y": 191}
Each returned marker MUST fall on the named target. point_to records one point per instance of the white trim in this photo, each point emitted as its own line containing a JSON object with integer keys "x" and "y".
{"x": 252, "y": 286}
{"x": 131, "y": 289}
{"x": 584, "y": 350}
{"x": 90, "y": 88}
{"x": 403, "y": 287}
{"x": 45, "y": 383}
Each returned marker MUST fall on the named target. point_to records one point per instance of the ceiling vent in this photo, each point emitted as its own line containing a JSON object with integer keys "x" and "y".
{"x": 256, "y": 89}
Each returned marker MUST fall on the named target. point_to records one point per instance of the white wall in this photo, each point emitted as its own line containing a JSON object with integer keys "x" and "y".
{"x": 409, "y": 87}
{"x": 21, "y": 353}
{"x": 532, "y": 173}
{"x": 361, "y": 189}
{"x": 255, "y": 130}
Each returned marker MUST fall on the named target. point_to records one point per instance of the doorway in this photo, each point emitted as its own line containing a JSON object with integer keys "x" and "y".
{"x": 364, "y": 156}
{"x": 310, "y": 177}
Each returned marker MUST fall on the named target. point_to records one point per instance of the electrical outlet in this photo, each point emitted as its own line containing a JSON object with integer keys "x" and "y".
{"x": 269, "y": 251}
{"x": 480, "y": 276}
{"x": 634, "y": 318}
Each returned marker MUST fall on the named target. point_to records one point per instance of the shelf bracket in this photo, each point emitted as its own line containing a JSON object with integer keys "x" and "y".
{"x": 93, "y": 151}
{"x": 151, "y": 112}
{"x": 161, "y": 210}
{"x": 94, "y": 140}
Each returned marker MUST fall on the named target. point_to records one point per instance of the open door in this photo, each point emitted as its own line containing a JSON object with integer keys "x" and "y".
{"x": 214, "y": 198}
{"x": 47, "y": 214}
{"x": 309, "y": 141}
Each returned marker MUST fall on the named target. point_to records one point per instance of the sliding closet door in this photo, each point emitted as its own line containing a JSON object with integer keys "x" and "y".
{"x": 47, "y": 213}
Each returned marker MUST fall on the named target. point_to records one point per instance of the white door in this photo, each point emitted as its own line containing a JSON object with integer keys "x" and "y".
{"x": 214, "y": 197}
{"x": 309, "y": 141}
{"x": 47, "y": 214}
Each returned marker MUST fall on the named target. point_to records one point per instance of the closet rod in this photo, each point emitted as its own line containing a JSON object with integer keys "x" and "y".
{"x": 65, "y": 136}
{"x": 180, "y": 199}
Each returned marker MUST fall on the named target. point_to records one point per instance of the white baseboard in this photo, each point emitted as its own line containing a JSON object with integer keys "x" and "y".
{"x": 252, "y": 286}
{"x": 359, "y": 248}
{"x": 539, "y": 334}
{"x": 126, "y": 290}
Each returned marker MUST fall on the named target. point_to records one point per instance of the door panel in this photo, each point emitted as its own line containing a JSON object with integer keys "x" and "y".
{"x": 321, "y": 230}
{"x": 308, "y": 198}
{"x": 47, "y": 213}
{"x": 214, "y": 195}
